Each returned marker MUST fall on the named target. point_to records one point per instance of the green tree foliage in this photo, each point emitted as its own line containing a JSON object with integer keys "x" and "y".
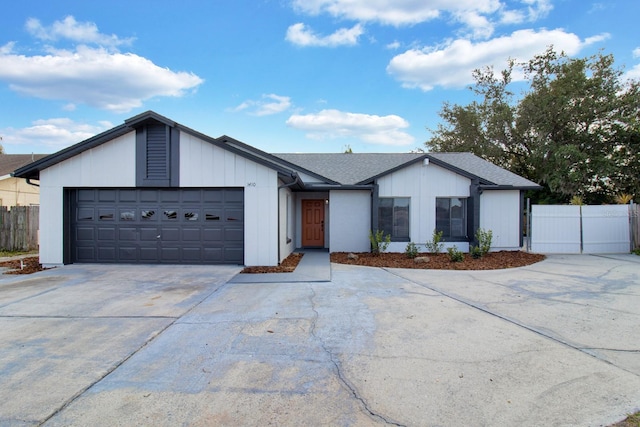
{"x": 575, "y": 130}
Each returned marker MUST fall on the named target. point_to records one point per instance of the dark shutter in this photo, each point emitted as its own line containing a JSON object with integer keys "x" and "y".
{"x": 157, "y": 152}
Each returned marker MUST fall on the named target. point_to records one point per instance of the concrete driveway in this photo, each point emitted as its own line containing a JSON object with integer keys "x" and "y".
{"x": 556, "y": 343}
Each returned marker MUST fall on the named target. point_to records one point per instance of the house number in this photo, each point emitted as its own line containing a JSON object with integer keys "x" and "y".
{"x": 251, "y": 184}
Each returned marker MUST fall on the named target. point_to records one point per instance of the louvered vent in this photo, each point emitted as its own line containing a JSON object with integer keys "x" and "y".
{"x": 157, "y": 152}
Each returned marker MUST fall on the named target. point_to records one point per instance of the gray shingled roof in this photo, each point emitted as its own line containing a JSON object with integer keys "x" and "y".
{"x": 11, "y": 162}
{"x": 483, "y": 169}
{"x": 353, "y": 168}
{"x": 348, "y": 168}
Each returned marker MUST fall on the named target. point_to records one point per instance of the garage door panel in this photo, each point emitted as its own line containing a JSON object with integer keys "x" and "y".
{"x": 85, "y": 253}
{"x": 211, "y": 234}
{"x": 106, "y": 234}
{"x": 233, "y": 235}
{"x": 170, "y": 254}
{"x": 107, "y": 254}
{"x": 107, "y": 195}
{"x": 191, "y": 254}
{"x": 170, "y": 234}
{"x": 149, "y": 234}
{"x": 159, "y": 225}
{"x": 213, "y": 255}
{"x": 128, "y": 234}
{"x": 85, "y": 234}
{"x": 191, "y": 234}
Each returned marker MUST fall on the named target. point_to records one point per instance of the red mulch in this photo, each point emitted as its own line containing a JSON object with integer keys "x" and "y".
{"x": 287, "y": 266}
{"x": 29, "y": 265}
{"x": 441, "y": 261}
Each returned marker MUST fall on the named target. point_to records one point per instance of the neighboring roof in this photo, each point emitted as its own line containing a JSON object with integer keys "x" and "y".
{"x": 359, "y": 168}
{"x": 11, "y": 162}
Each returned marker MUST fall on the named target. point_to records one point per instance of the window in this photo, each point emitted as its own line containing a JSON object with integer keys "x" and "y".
{"x": 393, "y": 217}
{"x": 451, "y": 217}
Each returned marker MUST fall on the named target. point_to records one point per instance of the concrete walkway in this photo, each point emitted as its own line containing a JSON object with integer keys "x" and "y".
{"x": 315, "y": 266}
{"x": 553, "y": 344}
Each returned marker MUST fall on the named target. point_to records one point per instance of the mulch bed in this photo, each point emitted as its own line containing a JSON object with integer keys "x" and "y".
{"x": 29, "y": 265}
{"x": 441, "y": 261}
{"x": 287, "y": 266}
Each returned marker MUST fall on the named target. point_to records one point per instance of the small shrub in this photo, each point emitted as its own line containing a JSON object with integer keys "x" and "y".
{"x": 484, "y": 240}
{"x": 475, "y": 252}
{"x": 623, "y": 198}
{"x": 455, "y": 255}
{"x": 411, "y": 251}
{"x": 435, "y": 246}
{"x": 379, "y": 242}
{"x": 636, "y": 251}
{"x": 576, "y": 200}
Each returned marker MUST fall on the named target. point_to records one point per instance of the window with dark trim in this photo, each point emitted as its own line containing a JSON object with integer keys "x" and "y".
{"x": 393, "y": 217}
{"x": 451, "y": 217}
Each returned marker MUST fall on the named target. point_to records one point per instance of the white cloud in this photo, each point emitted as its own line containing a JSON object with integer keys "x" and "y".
{"x": 478, "y": 16}
{"x": 632, "y": 74}
{"x": 268, "y": 105}
{"x": 330, "y": 124}
{"x": 394, "y": 45}
{"x": 50, "y": 135}
{"x": 70, "y": 29}
{"x": 300, "y": 35}
{"x": 451, "y": 66}
{"x": 636, "y": 52}
{"x": 110, "y": 81}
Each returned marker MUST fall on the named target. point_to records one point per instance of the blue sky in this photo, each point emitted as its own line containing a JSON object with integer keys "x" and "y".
{"x": 281, "y": 75}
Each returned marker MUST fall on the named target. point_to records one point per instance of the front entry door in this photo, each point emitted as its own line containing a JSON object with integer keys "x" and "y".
{"x": 313, "y": 223}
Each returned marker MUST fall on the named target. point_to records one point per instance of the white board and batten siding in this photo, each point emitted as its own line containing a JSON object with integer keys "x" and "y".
{"x": 500, "y": 213}
{"x": 350, "y": 220}
{"x": 206, "y": 165}
{"x": 580, "y": 229}
{"x": 109, "y": 165}
{"x": 422, "y": 184}
{"x": 202, "y": 164}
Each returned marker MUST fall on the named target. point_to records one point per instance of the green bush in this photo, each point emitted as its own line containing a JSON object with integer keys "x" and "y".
{"x": 475, "y": 252}
{"x": 411, "y": 251}
{"x": 455, "y": 255}
{"x": 484, "y": 243}
{"x": 435, "y": 246}
{"x": 379, "y": 242}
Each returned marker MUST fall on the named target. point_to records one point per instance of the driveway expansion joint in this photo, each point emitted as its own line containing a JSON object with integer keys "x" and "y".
{"x": 515, "y": 322}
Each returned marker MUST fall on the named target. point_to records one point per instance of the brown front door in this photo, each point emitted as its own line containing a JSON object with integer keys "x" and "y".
{"x": 313, "y": 223}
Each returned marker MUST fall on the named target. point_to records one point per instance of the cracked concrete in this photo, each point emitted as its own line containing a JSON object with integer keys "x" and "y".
{"x": 551, "y": 344}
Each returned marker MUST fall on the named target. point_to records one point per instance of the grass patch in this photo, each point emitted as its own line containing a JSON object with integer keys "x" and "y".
{"x": 632, "y": 420}
{"x": 5, "y": 254}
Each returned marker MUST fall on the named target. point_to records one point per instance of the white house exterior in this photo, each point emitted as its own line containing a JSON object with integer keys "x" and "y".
{"x": 154, "y": 191}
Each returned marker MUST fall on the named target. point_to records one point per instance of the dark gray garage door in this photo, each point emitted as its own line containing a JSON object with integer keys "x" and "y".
{"x": 195, "y": 226}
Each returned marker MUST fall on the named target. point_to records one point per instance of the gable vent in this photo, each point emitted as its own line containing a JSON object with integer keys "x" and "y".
{"x": 157, "y": 152}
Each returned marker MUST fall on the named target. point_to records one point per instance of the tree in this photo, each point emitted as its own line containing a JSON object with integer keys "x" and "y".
{"x": 575, "y": 131}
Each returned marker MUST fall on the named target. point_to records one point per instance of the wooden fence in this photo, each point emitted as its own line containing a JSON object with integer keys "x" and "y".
{"x": 19, "y": 228}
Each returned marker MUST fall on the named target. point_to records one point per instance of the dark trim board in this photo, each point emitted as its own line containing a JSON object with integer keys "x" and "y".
{"x": 154, "y": 225}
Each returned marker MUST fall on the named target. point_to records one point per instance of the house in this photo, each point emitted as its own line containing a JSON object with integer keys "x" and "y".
{"x": 15, "y": 191}
{"x": 154, "y": 191}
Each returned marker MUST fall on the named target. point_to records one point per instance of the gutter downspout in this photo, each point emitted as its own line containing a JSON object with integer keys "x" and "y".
{"x": 31, "y": 183}
{"x": 296, "y": 180}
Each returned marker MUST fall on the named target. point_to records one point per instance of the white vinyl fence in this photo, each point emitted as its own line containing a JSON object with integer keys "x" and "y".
{"x": 580, "y": 229}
